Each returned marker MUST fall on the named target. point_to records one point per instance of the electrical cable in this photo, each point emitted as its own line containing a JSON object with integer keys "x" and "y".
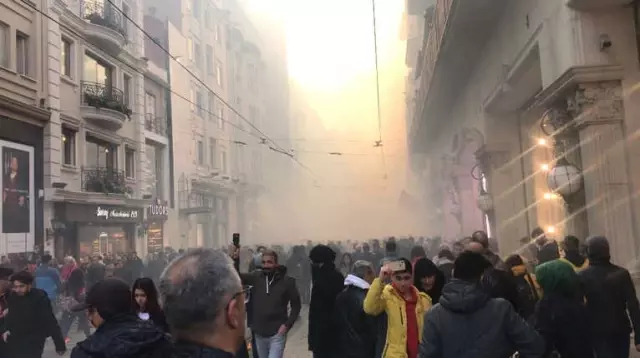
{"x": 233, "y": 109}
{"x": 378, "y": 143}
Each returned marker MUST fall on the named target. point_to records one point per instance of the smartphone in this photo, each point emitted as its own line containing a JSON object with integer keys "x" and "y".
{"x": 236, "y": 239}
{"x": 397, "y": 266}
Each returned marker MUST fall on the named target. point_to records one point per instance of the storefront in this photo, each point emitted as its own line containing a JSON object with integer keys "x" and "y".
{"x": 157, "y": 214}
{"x": 98, "y": 229}
{"x": 21, "y": 211}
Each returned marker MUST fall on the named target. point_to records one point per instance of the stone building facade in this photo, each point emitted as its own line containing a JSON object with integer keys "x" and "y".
{"x": 511, "y": 94}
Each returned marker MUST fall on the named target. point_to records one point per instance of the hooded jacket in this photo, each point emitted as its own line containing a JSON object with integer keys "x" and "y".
{"x": 467, "y": 323}
{"x": 384, "y": 298}
{"x": 271, "y": 295}
{"x": 124, "y": 336}
{"x": 356, "y": 328}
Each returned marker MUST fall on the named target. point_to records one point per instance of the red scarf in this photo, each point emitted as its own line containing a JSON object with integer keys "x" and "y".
{"x": 413, "y": 339}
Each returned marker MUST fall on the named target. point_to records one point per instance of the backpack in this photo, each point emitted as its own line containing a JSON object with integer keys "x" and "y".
{"x": 527, "y": 296}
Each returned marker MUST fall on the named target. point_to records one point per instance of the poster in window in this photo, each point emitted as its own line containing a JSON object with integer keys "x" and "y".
{"x": 17, "y": 210}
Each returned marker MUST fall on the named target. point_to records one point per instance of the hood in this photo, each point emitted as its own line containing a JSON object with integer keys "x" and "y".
{"x": 270, "y": 277}
{"x": 322, "y": 254}
{"x": 356, "y": 281}
{"x": 123, "y": 337}
{"x": 463, "y": 297}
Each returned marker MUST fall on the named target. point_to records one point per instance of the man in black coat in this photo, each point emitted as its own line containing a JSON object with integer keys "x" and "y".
{"x": 327, "y": 284}
{"x": 29, "y": 320}
{"x": 612, "y": 304}
{"x": 356, "y": 329}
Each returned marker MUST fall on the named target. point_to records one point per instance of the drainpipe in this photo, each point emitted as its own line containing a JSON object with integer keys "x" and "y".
{"x": 167, "y": 92}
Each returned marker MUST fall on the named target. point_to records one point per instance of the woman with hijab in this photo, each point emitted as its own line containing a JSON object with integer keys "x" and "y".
{"x": 428, "y": 278}
{"x": 346, "y": 264}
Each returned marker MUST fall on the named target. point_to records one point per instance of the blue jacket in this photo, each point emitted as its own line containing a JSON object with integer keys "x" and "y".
{"x": 47, "y": 279}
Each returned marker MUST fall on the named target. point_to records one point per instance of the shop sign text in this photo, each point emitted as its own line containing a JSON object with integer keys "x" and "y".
{"x": 116, "y": 213}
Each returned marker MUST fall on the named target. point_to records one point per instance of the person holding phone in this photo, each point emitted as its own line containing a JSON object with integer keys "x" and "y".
{"x": 404, "y": 306}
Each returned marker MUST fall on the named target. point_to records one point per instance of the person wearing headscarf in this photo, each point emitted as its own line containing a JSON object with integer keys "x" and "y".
{"x": 561, "y": 317}
{"x": 428, "y": 278}
{"x": 327, "y": 283}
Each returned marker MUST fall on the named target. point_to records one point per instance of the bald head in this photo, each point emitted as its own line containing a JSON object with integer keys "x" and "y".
{"x": 195, "y": 288}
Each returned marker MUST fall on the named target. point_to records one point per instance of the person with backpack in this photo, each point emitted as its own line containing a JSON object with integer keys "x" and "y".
{"x": 529, "y": 292}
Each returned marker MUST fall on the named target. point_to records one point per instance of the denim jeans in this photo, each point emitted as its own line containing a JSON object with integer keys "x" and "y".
{"x": 271, "y": 347}
{"x": 67, "y": 320}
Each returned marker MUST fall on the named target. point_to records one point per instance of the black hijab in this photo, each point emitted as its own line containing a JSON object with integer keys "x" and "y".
{"x": 424, "y": 267}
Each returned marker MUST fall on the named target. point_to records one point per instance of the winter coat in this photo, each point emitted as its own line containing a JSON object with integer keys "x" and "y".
{"x": 356, "y": 329}
{"x": 529, "y": 291}
{"x": 384, "y": 298}
{"x": 271, "y": 295}
{"x": 610, "y": 294}
{"x": 124, "y": 336}
{"x": 47, "y": 279}
{"x": 183, "y": 349}
{"x": 327, "y": 284}
{"x": 579, "y": 263}
{"x": 30, "y": 321}
{"x": 468, "y": 323}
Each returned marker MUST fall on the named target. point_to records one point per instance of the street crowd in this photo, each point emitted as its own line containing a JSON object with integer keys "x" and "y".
{"x": 392, "y": 298}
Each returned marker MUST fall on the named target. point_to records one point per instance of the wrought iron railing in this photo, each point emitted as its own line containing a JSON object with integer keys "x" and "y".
{"x": 99, "y": 13}
{"x": 431, "y": 50}
{"x": 104, "y": 180}
{"x": 103, "y": 96}
{"x": 195, "y": 200}
{"x": 155, "y": 124}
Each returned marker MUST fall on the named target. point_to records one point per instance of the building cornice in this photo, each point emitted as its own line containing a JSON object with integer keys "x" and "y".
{"x": 40, "y": 114}
{"x": 569, "y": 80}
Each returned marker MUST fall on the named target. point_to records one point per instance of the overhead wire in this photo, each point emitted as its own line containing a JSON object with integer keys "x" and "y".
{"x": 378, "y": 143}
{"x": 277, "y": 147}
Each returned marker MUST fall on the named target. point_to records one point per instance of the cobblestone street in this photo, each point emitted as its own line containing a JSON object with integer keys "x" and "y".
{"x": 296, "y": 343}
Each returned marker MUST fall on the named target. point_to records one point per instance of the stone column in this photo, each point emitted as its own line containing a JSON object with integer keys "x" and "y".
{"x": 599, "y": 115}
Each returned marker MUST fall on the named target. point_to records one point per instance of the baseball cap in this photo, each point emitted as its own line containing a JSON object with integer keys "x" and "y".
{"x": 110, "y": 297}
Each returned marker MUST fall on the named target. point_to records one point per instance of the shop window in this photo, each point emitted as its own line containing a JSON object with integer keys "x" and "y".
{"x": 130, "y": 163}
{"x": 68, "y": 146}
{"x": 22, "y": 53}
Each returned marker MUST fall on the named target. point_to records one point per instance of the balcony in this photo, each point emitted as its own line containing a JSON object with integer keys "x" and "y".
{"x": 454, "y": 39}
{"x": 195, "y": 202}
{"x": 590, "y": 5}
{"x": 104, "y": 180}
{"x": 155, "y": 124}
{"x": 104, "y": 105}
{"x": 106, "y": 26}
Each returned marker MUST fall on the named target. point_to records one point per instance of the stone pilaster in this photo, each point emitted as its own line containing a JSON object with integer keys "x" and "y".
{"x": 598, "y": 110}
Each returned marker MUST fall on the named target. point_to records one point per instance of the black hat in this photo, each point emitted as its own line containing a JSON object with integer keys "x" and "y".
{"x": 110, "y": 297}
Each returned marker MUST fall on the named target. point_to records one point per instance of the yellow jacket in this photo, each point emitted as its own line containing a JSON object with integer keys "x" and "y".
{"x": 384, "y": 298}
{"x": 577, "y": 269}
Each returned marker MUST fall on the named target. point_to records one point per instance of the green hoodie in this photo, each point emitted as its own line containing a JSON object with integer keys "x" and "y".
{"x": 557, "y": 277}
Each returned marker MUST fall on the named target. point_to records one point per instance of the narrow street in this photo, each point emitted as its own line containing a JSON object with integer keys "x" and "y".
{"x": 296, "y": 344}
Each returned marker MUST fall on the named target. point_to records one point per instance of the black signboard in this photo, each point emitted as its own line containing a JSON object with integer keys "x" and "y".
{"x": 102, "y": 213}
{"x": 159, "y": 210}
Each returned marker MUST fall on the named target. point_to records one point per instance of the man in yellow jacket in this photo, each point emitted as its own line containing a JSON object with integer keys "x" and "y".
{"x": 404, "y": 305}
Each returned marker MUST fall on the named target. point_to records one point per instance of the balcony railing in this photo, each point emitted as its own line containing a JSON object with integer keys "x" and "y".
{"x": 99, "y": 95}
{"x": 104, "y": 180}
{"x": 431, "y": 49}
{"x": 195, "y": 202}
{"x": 99, "y": 13}
{"x": 155, "y": 124}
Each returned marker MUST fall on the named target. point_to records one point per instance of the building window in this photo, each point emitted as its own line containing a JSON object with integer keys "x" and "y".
{"x": 68, "y": 146}
{"x": 219, "y": 73}
{"x": 207, "y": 18}
{"x": 200, "y": 154}
{"x": 97, "y": 71}
{"x": 210, "y": 60}
{"x": 212, "y": 106}
{"x": 65, "y": 58}
{"x": 155, "y": 160}
{"x": 212, "y": 152}
{"x": 126, "y": 88}
{"x": 4, "y": 45}
{"x": 197, "y": 54}
{"x": 196, "y": 7}
{"x": 22, "y": 53}
{"x": 126, "y": 10}
{"x": 221, "y": 118}
{"x": 200, "y": 103}
{"x": 100, "y": 154}
{"x": 190, "y": 49}
{"x": 223, "y": 161}
{"x": 130, "y": 163}
{"x": 216, "y": 33}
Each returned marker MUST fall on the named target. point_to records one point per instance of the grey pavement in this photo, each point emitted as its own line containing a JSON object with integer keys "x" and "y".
{"x": 296, "y": 340}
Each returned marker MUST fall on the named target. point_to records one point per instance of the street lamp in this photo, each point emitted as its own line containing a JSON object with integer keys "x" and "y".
{"x": 485, "y": 201}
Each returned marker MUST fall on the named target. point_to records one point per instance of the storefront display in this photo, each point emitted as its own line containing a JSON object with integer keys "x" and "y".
{"x": 157, "y": 214}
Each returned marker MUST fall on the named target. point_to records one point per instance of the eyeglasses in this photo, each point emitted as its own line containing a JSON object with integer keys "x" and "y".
{"x": 246, "y": 291}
